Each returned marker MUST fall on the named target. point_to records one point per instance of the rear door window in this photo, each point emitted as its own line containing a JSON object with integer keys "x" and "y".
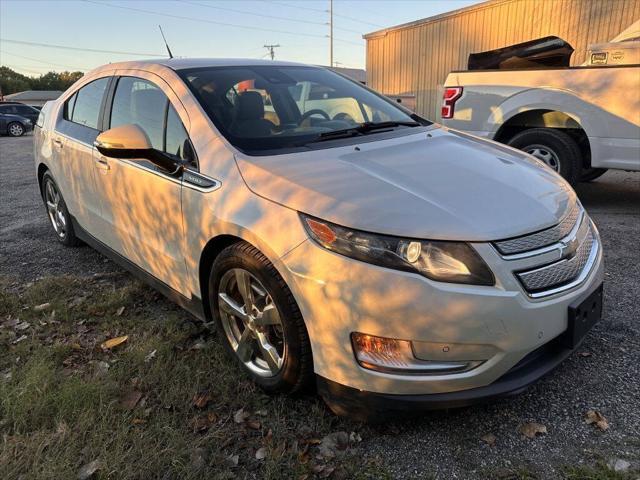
{"x": 140, "y": 102}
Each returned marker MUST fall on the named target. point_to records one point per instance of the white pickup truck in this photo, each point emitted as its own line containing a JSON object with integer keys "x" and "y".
{"x": 579, "y": 120}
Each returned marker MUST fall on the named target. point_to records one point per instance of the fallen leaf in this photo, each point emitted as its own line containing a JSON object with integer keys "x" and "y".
{"x": 130, "y": 400}
{"x": 253, "y": 424}
{"x": 114, "y": 342}
{"x": 262, "y": 413}
{"x": 355, "y": 437}
{"x": 19, "y": 339}
{"x": 594, "y": 416}
{"x": 489, "y": 439}
{"x": 261, "y": 453}
{"x": 150, "y": 356}
{"x": 530, "y": 430}
{"x": 233, "y": 460}
{"x": 138, "y": 421}
{"x": 87, "y": 471}
{"x": 584, "y": 354}
{"x": 203, "y": 422}
{"x": 120, "y": 311}
{"x": 41, "y": 307}
{"x": 332, "y": 443}
{"x": 201, "y": 400}
{"x": 240, "y": 416}
{"x": 22, "y": 326}
{"x": 328, "y": 470}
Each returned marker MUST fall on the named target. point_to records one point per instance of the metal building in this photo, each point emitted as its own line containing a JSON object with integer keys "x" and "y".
{"x": 411, "y": 61}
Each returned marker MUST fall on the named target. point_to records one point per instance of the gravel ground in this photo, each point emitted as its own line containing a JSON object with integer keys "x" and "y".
{"x": 443, "y": 444}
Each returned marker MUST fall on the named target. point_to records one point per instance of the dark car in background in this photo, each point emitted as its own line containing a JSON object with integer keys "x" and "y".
{"x": 17, "y": 108}
{"x": 14, "y": 125}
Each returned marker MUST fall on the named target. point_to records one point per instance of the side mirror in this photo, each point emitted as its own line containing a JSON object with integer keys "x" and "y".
{"x": 130, "y": 141}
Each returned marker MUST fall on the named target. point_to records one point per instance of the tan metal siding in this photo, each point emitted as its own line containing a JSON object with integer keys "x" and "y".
{"x": 416, "y": 58}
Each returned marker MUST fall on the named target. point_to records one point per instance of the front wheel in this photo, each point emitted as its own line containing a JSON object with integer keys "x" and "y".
{"x": 554, "y": 147}
{"x": 15, "y": 129}
{"x": 259, "y": 321}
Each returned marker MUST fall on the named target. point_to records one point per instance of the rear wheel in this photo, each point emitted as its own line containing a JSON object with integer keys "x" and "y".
{"x": 554, "y": 147}
{"x": 259, "y": 321}
{"x": 15, "y": 129}
{"x": 592, "y": 173}
{"x": 57, "y": 212}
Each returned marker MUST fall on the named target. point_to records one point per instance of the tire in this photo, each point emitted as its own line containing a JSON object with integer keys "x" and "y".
{"x": 15, "y": 129}
{"x": 57, "y": 212}
{"x": 591, "y": 174}
{"x": 552, "y": 146}
{"x": 289, "y": 338}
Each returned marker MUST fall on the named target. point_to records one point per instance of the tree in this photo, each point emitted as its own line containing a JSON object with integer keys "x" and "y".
{"x": 12, "y": 82}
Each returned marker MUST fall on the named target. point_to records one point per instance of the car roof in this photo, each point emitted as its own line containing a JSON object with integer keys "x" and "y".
{"x": 187, "y": 63}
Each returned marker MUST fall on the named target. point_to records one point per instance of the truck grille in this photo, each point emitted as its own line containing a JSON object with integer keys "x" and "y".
{"x": 540, "y": 239}
{"x": 565, "y": 271}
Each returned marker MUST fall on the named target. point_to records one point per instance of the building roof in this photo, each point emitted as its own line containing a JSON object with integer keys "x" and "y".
{"x": 357, "y": 74}
{"x": 435, "y": 18}
{"x": 33, "y": 95}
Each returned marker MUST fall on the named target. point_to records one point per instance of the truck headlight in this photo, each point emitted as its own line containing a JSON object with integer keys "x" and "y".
{"x": 454, "y": 262}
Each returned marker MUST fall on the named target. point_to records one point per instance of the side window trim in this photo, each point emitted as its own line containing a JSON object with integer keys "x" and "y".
{"x": 68, "y": 116}
{"x": 108, "y": 107}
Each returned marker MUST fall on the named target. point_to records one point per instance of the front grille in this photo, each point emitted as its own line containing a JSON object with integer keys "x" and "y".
{"x": 562, "y": 272}
{"x": 540, "y": 239}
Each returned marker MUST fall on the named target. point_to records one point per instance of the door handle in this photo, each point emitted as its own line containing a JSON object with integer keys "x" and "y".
{"x": 102, "y": 164}
{"x": 57, "y": 142}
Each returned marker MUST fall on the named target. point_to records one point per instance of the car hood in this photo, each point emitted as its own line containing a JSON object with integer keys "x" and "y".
{"x": 435, "y": 184}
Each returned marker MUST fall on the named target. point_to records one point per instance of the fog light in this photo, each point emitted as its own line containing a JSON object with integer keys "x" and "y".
{"x": 391, "y": 355}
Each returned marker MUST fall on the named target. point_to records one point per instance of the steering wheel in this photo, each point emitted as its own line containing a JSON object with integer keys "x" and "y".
{"x": 315, "y": 111}
{"x": 345, "y": 117}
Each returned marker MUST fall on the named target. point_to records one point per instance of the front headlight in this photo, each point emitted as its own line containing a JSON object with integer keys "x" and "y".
{"x": 455, "y": 262}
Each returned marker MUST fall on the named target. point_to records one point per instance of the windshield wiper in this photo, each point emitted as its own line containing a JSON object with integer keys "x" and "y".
{"x": 362, "y": 129}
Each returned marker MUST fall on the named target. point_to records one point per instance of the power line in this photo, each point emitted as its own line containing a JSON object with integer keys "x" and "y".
{"x": 204, "y": 20}
{"x": 44, "y": 62}
{"x": 78, "y": 49}
{"x": 325, "y": 11}
{"x": 263, "y": 15}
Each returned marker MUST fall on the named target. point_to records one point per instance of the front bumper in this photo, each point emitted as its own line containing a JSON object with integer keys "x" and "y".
{"x": 367, "y": 406}
{"x": 338, "y": 296}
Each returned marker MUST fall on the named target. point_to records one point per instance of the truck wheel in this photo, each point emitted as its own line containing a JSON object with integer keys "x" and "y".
{"x": 259, "y": 321}
{"x": 592, "y": 173}
{"x": 555, "y": 148}
{"x": 15, "y": 129}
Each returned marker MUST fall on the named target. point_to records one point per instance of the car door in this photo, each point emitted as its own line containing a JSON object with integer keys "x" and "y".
{"x": 141, "y": 204}
{"x": 27, "y": 112}
{"x": 73, "y": 165}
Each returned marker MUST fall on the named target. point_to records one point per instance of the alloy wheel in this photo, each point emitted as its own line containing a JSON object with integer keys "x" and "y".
{"x": 251, "y": 322}
{"x": 55, "y": 210}
{"x": 16, "y": 130}
{"x": 544, "y": 153}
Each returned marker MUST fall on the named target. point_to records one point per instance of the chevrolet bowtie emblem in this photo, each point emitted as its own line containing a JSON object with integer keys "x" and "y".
{"x": 568, "y": 248}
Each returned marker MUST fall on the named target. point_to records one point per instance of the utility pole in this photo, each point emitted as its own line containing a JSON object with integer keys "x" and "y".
{"x": 331, "y": 33}
{"x": 271, "y": 52}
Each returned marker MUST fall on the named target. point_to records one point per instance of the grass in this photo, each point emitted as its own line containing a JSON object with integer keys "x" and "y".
{"x": 65, "y": 401}
{"x": 598, "y": 472}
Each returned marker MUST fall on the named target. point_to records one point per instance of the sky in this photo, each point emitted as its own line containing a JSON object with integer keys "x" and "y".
{"x": 198, "y": 28}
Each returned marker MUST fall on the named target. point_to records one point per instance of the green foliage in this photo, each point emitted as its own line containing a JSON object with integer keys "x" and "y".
{"x": 12, "y": 82}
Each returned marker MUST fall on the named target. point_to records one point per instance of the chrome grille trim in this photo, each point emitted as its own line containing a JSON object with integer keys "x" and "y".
{"x": 520, "y": 246}
{"x": 564, "y": 274}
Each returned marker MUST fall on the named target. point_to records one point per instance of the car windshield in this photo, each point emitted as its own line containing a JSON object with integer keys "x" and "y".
{"x": 260, "y": 108}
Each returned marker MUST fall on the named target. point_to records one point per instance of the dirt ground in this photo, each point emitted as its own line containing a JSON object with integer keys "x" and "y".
{"x": 604, "y": 375}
